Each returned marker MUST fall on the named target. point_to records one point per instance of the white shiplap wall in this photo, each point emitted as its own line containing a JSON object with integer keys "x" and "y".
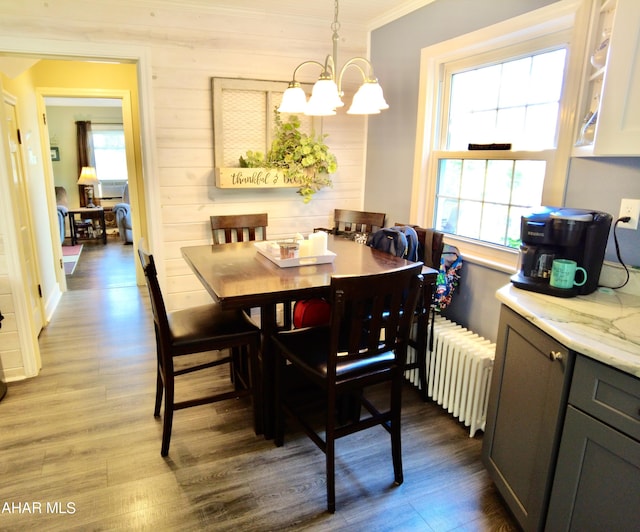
{"x": 188, "y": 48}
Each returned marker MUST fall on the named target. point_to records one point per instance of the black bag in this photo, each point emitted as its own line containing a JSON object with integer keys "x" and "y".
{"x": 401, "y": 241}
{"x": 412, "y": 242}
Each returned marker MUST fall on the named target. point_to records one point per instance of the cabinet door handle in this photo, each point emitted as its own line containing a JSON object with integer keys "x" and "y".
{"x": 555, "y": 355}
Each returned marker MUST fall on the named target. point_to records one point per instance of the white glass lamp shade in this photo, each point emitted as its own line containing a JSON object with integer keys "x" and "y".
{"x": 88, "y": 176}
{"x": 369, "y": 100}
{"x": 324, "y": 99}
{"x": 376, "y": 93}
{"x": 294, "y": 100}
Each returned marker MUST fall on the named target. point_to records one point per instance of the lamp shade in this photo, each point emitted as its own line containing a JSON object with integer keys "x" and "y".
{"x": 369, "y": 100}
{"x": 88, "y": 176}
{"x": 294, "y": 100}
{"x": 375, "y": 93}
{"x": 324, "y": 99}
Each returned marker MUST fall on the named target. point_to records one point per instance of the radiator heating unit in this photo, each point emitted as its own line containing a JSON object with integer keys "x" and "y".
{"x": 459, "y": 367}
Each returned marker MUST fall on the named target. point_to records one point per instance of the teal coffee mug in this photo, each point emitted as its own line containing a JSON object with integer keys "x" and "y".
{"x": 563, "y": 274}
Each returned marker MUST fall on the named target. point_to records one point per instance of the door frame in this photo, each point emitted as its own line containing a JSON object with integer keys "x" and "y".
{"x": 24, "y": 202}
{"x": 14, "y": 198}
{"x": 135, "y": 182}
{"x": 81, "y": 51}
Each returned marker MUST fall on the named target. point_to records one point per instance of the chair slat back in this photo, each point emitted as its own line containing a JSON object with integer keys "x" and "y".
{"x": 239, "y": 228}
{"x": 155, "y": 295}
{"x": 372, "y": 314}
{"x": 358, "y": 221}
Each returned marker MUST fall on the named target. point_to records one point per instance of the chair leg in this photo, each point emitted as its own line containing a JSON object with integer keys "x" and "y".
{"x": 167, "y": 421}
{"x": 349, "y": 407}
{"x": 330, "y": 455}
{"x": 396, "y": 441}
{"x": 421, "y": 353}
{"x": 237, "y": 367}
{"x": 279, "y": 411}
{"x": 256, "y": 389}
{"x": 159, "y": 389}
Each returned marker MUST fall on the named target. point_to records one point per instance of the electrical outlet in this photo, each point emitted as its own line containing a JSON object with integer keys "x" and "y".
{"x": 631, "y": 208}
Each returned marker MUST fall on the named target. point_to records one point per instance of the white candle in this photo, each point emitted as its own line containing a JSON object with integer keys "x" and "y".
{"x": 318, "y": 243}
{"x": 305, "y": 248}
{"x": 323, "y": 242}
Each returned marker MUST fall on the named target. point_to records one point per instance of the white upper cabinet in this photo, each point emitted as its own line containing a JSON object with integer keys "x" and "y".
{"x": 610, "y": 103}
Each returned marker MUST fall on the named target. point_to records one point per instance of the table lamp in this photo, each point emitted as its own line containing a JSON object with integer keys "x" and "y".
{"x": 88, "y": 178}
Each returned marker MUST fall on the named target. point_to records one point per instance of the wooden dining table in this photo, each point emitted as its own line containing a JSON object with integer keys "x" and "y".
{"x": 237, "y": 276}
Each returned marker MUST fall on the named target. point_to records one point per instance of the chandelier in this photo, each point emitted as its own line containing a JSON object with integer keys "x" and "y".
{"x": 327, "y": 93}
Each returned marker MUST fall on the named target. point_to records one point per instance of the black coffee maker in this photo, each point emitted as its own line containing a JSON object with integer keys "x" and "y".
{"x": 559, "y": 233}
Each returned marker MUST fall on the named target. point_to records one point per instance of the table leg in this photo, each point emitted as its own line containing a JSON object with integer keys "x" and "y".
{"x": 72, "y": 224}
{"x": 268, "y": 325}
{"x": 104, "y": 227}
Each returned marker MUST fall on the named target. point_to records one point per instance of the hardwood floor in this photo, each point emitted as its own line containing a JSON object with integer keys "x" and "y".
{"x": 80, "y": 448}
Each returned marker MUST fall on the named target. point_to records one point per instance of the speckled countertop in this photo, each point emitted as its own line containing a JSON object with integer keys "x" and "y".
{"x": 604, "y": 325}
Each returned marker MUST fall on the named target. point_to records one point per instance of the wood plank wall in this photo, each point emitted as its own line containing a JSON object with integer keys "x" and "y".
{"x": 188, "y": 48}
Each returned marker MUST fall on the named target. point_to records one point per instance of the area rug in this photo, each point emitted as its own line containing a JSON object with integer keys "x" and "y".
{"x": 70, "y": 257}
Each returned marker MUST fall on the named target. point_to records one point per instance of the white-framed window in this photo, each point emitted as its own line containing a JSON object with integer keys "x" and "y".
{"x": 513, "y": 86}
{"x": 514, "y": 101}
{"x": 109, "y": 152}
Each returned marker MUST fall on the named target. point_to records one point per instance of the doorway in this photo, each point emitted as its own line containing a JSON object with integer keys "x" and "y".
{"x": 62, "y": 74}
{"x": 109, "y": 134}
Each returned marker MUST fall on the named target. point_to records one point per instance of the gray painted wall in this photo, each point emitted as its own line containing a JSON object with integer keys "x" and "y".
{"x": 600, "y": 183}
{"x": 597, "y": 184}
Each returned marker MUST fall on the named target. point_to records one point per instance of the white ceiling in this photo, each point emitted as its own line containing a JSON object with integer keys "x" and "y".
{"x": 369, "y": 14}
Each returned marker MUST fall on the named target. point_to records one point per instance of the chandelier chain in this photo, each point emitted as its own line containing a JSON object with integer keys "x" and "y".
{"x": 335, "y": 26}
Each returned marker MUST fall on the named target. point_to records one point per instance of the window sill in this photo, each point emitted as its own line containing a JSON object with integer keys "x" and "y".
{"x": 487, "y": 255}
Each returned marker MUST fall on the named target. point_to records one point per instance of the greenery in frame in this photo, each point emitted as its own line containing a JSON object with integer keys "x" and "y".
{"x": 304, "y": 159}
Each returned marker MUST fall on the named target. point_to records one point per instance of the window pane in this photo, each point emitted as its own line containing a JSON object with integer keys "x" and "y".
{"x": 528, "y": 180}
{"x": 498, "y": 187}
{"x": 449, "y": 184}
{"x": 547, "y": 74}
{"x": 494, "y": 223}
{"x": 513, "y": 230}
{"x": 486, "y": 84}
{"x": 472, "y": 185}
{"x": 510, "y": 125}
{"x": 540, "y": 126}
{"x": 110, "y": 155}
{"x": 514, "y": 90}
{"x": 447, "y": 215}
{"x": 469, "y": 218}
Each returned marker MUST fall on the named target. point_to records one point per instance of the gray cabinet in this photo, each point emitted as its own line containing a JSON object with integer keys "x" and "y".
{"x": 597, "y": 481}
{"x": 525, "y": 415}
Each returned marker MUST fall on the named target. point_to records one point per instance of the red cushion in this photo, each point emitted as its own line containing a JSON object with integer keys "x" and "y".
{"x": 311, "y": 313}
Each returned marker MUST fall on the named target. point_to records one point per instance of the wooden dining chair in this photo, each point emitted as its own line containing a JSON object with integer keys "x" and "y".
{"x": 192, "y": 331}
{"x": 430, "y": 247}
{"x": 239, "y": 227}
{"x": 358, "y": 221}
{"x": 364, "y": 345}
{"x": 245, "y": 228}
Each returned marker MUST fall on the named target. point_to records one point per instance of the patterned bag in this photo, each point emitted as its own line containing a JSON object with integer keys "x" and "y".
{"x": 448, "y": 276}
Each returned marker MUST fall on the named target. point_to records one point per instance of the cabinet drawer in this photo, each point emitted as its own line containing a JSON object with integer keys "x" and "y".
{"x": 607, "y": 394}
